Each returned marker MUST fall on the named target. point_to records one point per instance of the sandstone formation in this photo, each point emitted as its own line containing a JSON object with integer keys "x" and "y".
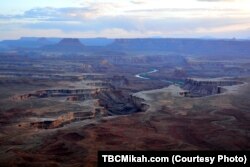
{"x": 62, "y": 120}
{"x": 66, "y": 45}
{"x": 206, "y": 87}
{"x": 70, "y": 42}
{"x": 118, "y": 102}
{"x": 82, "y": 94}
{"x": 139, "y": 103}
{"x": 107, "y": 102}
{"x": 99, "y": 84}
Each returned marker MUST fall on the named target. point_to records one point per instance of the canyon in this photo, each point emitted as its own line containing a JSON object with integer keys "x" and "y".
{"x": 63, "y": 100}
{"x": 206, "y": 87}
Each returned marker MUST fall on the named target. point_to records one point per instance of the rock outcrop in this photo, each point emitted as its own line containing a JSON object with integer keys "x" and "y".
{"x": 205, "y": 87}
{"x": 139, "y": 103}
{"x": 99, "y": 84}
{"x": 70, "y": 42}
{"x": 66, "y": 45}
{"x": 108, "y": 102}
{"x": 62, "y": 120}
{"x": 117, "y": 102}
{"x": 72, "y": 94}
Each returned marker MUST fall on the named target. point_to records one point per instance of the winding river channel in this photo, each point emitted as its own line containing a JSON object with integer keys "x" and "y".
{"x": 144, "y": 75}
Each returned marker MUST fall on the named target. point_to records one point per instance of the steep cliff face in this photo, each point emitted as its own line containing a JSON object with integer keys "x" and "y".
{"x": 199, "y": 88}
{"x": 99, "y": 84}
{"x": 71, "y": 94}
{"x": 117, "y": 102}
{"x": 62, "y": 120}
{"x": 139, "y": 103}
{"x": 108, "y": 102}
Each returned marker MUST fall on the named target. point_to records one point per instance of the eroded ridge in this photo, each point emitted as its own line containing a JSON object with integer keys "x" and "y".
{"x": 205, "y": 87}
{"x": 107, "y": 102}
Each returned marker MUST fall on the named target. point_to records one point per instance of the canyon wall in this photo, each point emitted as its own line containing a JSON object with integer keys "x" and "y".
{"x": 199, "y": 88}
{"x": 62, "y": 120}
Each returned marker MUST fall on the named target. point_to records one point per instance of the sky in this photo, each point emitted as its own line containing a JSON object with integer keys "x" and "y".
{"x": 125, "y": 18}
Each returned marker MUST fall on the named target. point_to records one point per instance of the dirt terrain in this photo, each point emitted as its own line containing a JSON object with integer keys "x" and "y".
{"x": 171, "y": 123}
{"x": 61, "y": 112}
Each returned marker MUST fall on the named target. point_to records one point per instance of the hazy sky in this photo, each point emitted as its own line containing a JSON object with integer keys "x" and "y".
{"x": 125, "y": 18}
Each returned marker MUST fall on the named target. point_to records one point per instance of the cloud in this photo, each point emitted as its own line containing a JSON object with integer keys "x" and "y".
{"x": 58, "y": 13}
{"x": 97, "y": 24}
{"x": 183, "y": 10}
{"x": 111, "y": 20}
{"x": 216, "y": 0}
{"x": 116, "y": 26}
{"x": 138, "y": 2}
{"x": 68, "y": 13}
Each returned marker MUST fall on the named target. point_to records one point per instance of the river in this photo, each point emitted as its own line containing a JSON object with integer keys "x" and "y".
{"x": 144, "y": 74}
{"x": 170, "y": 81}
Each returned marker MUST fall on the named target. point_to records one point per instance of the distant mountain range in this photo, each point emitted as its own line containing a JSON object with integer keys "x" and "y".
{"x": 23, "y": 43}
{"x": 35, "y": 42}
{"x": 200, "y": 47}
{"x": 65, "y": 45}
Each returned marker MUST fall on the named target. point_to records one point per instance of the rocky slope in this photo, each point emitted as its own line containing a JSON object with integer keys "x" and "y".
{"x": 118, "y": 102}
{"x": 199, "y": 88}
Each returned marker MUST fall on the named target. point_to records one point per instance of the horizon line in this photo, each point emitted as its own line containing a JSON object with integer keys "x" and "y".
{"x": 205, "y": 38}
